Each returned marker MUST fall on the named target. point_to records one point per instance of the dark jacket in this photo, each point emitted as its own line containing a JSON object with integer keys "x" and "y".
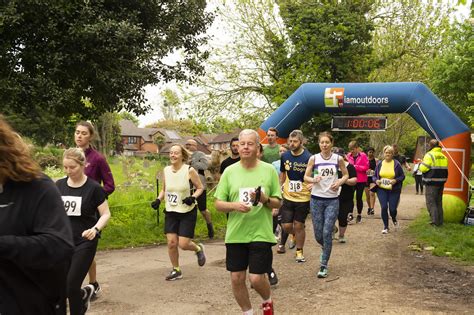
{"x": 98, "y": 169}
{"x": 35, "y": 248}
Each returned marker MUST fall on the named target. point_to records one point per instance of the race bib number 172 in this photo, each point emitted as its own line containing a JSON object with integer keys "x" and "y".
{"x": 72, "y": 205}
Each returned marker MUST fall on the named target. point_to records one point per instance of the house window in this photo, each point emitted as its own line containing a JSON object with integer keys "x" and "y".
{"x": 132, "y": 140}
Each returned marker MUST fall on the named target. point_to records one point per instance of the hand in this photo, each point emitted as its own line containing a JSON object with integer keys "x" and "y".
{"x": 89, "y": 234}
{"x": 156, "y": 204}
{"x": 317, "y": 179}
{"x": 257, "y": 195}
{"x": 335, "y": 185}
{"x": 409, "y": 168}
{"x": 378, "y": 182}
{"x": 275, "y": 212}
{"x": 393, "y": 181}
{"x": 189, "y": 200}
{"x": 241, "y": 207}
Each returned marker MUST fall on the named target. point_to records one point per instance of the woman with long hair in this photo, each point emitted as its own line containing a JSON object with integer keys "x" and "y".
{"x": 96, "y": 168}
{"x": 389, "y": 179}
{"x": 322, "y": 172}
{"x": 84, "y": 201}
{"x": 35, "y": 235}
{"x": 369, "y": 194}
{"x": 180, "y": 208}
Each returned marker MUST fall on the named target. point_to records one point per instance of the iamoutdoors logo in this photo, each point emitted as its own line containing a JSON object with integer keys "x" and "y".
{"x": 334, "y": 97}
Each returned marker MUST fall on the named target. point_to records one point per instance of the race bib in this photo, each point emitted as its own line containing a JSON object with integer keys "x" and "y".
{"x": 72, "y": 205}
{"x": 172, "y": 198}
{"x": 370, "y": 172}
{"x": 386, "y": 183}
{"x": 244, "y": 195}
{"x": 295, "y": 186}
{"x": 326, "y": 171}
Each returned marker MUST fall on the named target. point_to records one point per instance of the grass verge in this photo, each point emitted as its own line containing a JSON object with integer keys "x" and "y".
{"x": 452, "y": 239}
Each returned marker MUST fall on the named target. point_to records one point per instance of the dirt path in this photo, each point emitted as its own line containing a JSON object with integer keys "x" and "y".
{"x": 371, "y": 273}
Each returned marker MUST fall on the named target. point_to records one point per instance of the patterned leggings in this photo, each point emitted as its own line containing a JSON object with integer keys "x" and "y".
{"x": 324, "y": 213}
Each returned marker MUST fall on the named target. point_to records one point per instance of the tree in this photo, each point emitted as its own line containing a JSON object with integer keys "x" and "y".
{"x": 55, "y": 53}
{"x": 129, "y": 116}
{"x": 452, "y": 72}
{"x": 108, "y": 130}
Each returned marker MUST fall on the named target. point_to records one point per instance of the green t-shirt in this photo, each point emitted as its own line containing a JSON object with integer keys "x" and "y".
{"x": 234, "y": 185}
{"x": 270, "y": 155}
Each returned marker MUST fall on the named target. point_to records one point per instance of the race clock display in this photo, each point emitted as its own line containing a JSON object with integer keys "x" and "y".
{"x": 358, "y": 123}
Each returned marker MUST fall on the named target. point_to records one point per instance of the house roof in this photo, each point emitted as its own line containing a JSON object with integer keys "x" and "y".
{"x": 165, "y": 149}
{"x": 128, "y": 128}
{"x": 225, "y": 137}
{"x": 170, "y": 135}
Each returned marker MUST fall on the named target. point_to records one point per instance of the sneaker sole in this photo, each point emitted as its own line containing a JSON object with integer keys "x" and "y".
{"x": 301, "y": 261}
{"x": 174, "y": 279}
{"x": 202, "y": 249}
{"x": 322, "y": 276}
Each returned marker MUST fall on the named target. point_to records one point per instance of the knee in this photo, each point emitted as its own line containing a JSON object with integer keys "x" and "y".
{"x": 287, "y": 227}
{"x": 237, "y": 278}
{"x": 183, "y": 243}
{"x": 256, "y": 279}
{"x": 172, "y": 244}
{"x": 299, "y": 226}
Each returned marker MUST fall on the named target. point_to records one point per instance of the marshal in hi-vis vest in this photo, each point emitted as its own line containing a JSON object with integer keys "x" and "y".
{"x": 434, "y": 167}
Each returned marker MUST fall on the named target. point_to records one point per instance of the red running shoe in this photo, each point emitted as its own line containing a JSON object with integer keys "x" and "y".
{"x": 267, "y": 308}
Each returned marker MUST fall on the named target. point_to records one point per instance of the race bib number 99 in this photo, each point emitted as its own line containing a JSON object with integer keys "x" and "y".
{"x": 172, "y": 198}
{"x": 72, "y": 205}
{"x": 295, "y": 186}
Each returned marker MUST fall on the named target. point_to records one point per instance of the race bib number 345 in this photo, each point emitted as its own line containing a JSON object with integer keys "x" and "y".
{"x": 72, "y": 205}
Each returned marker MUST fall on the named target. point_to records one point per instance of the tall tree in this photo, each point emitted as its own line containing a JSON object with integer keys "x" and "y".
{"x": 55, "y": 53}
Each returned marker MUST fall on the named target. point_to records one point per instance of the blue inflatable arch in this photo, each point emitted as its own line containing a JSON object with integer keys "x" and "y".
{"x": 362, "y": 98}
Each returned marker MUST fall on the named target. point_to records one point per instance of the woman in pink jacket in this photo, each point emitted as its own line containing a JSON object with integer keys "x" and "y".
{"x": 361, "y": 163}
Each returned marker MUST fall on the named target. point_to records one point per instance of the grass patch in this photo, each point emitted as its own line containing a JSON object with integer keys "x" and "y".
{"x": 452, "y": 239}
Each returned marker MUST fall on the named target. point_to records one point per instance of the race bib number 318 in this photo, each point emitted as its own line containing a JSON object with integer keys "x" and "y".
{"x": 72, "y": 205}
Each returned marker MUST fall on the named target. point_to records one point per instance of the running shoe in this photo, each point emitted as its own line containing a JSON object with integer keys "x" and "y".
{"x": 87, "y": 292}
{"x": 385, "y": 231}
{"x": 174, "y": 275}
{"x": 272, "y": 277}
{"x": 299, "y": 256}
{"x": 201, "y": 256}
{"x": 368, "y": 211}
{"x": 323, "y": 272}
{"x": 396, "y": 225}
{"x": 210, "y": 230}
{"x": 291, "y": 242}
{"x": 267, "y": 308}
{"x": 97, "y": 291}
{"x": 281, "y": 249}
{"x": 342, "y": 239}
{"x": 372, "y": 211}
{"x": 350, "y": 217}
{"x": 359, "y": 218}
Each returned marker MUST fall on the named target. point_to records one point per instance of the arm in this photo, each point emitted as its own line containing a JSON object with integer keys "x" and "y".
{"x": 104, "y": 213}
{"x": 399, "y": 174}
{"x": 426, "y": 164}
{"x": 194, "y": 176}
{"x": 352, "y": 180}
{"x": 106, "y": 175}
{"x": 345, "y": 175}
{"x": 226, "y": 206}
{"x": 362, "y": 164}
{"x": 282, "y": 178}
{"x": 308, "y": 175}
{"x": 50, "y": 240}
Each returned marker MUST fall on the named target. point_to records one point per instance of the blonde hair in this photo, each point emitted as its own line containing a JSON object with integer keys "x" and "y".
{"x": 184, "y": 152}
{"x": 327, "y": 135}
{"x": 75, "y": 154}
{"x": 16, "y": 162}
{"x": 387, "y": 148}
{"x": 250, "y": 132}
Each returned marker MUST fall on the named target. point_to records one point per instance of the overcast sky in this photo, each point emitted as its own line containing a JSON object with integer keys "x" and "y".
{"x": 219, "y": 38}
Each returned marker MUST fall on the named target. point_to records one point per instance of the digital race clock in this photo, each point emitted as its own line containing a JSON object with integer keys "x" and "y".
{"x": 358, "y": 123}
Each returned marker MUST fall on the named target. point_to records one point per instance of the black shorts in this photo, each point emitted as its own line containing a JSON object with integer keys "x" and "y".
{"x": 345, "y": 206}
{"x": 294, "y": 211}
{"x": 257, "y": 256}
{"x": 202, "y": 201}
{"x": 182, "y": 224}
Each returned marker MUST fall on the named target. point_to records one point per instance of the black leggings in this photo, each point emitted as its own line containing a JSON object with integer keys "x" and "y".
{"x": 345, "y": 206}
{"x": 360, "y": 187}
{"x": 419, "y": 183}
{"x": 84, "y": 253}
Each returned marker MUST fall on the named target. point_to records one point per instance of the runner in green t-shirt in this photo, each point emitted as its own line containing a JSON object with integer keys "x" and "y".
{"x": 271, "y": 152}
{"x": 249, "y": 237}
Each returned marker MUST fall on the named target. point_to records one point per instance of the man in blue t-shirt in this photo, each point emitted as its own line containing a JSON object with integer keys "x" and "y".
{"x": 296, "y": 193}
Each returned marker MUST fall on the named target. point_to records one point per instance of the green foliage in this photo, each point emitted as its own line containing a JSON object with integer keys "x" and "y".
{"x": 451, "y": 239}
{"x": 452, "y": 72}
{"x": 48, "y": 157}
{"x": 108, "y": 129}
{"x": 129, "y": 116}
{"x": 54, "y": 54}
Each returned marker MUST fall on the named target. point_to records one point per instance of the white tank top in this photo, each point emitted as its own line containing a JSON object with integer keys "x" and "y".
{"x": 177, "y": 188}
{"x": 327, "y": 169}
